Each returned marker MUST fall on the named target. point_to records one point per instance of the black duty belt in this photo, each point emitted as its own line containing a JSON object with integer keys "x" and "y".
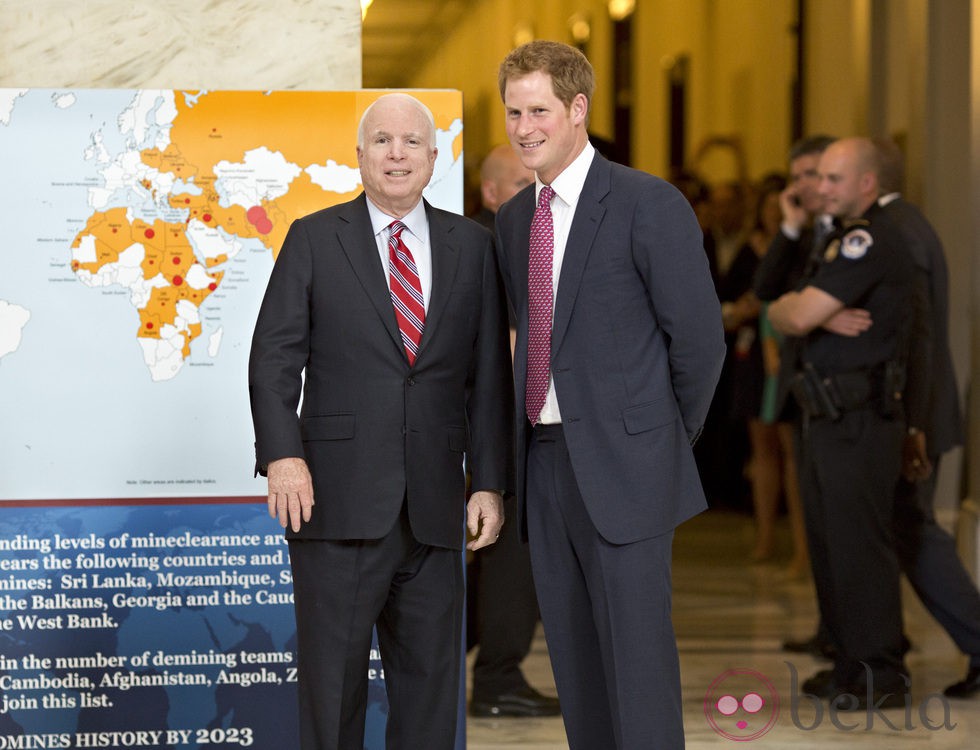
{"x": 830, "y": 396}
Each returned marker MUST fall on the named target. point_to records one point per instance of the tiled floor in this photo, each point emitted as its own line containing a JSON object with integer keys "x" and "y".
{"x": 730, "y": 615}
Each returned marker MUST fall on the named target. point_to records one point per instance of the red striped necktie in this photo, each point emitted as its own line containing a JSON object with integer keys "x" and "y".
{"x": 540, "y": 300}
{"x": 406, "y": 291}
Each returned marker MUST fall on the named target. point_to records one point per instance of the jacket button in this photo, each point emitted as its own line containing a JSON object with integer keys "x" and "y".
{"x": 411, "y": 381}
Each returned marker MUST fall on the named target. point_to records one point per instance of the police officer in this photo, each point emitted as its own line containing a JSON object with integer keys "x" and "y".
{"x": 854, "y": 315}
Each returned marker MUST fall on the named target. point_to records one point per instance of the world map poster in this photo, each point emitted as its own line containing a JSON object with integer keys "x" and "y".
{"x": 145, "y": 596}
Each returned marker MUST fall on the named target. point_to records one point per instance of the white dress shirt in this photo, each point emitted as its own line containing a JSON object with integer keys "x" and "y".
{"x": 568, "y": 187}
{"x": 416, "y": 239}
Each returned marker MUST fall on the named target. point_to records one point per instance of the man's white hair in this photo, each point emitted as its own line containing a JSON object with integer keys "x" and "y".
{"x": 407, "y": 99}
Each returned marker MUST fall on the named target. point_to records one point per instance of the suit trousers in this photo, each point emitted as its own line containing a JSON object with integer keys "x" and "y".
{"x": 927, "y": 555}
{"x": 848, "y": 473}
{"x": 414, "y": 594}
{"x": 606, "y": 614}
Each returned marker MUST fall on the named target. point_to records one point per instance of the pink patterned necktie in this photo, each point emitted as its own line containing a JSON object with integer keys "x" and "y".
{"x": 540, "y": 300}
{"x": 406, "y": 291}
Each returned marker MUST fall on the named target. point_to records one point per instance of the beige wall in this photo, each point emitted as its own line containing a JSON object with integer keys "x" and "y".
{"x": 741, "y": 55}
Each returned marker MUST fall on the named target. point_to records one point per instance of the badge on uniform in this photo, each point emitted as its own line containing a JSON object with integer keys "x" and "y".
{"x": 855, "y": 244}
{"x": 831, "y": 252}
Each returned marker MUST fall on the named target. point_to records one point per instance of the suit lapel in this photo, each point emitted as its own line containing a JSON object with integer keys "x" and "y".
{"x": 360, "y": 246}
{"x": 445, "y": 261}
{"x": 581, "y": 236}
{"x": 518, "y": 245}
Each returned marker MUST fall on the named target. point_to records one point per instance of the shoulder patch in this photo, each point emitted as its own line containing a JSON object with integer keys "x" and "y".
{"x": 855, "y": 244}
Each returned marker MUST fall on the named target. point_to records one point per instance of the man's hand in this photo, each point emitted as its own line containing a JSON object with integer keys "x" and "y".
{"x": 484, "y": 518}
{"x": 794, "y": 215}
{"x": 290, "y": 491}
{"x": 851, "y": 321}
{"x": 916, "y": 465}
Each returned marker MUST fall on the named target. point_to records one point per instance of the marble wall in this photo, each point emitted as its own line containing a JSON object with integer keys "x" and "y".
{"x": 216, "y": 44}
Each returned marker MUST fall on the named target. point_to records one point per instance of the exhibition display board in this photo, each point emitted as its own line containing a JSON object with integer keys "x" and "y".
{"x": 145, "y": 595}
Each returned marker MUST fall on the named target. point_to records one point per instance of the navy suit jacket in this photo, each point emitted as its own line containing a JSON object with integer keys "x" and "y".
{"x": 373, "y": 430}
{"x": 636, "y": 349}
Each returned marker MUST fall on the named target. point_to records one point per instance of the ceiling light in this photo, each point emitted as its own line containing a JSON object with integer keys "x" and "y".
{"x": 620, "y": 10}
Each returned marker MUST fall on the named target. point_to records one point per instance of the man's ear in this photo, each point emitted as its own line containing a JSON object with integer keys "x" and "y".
{"x": 488, "y": 193}
{"x": 869, "y": 182}
{"x": 579, "y": 108}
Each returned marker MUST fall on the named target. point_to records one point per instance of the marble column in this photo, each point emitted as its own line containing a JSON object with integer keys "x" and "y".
{"x": 218, "y": 44}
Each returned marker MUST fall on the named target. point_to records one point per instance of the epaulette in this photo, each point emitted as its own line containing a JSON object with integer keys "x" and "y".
{"x": 851, "y": 223}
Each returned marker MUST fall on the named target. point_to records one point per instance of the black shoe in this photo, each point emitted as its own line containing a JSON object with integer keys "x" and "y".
{"x": 822, "y": 684}
{"x": 966, "y": 687}
{"x": 814, "y": 646}
{"x": 858, "y": 699}
{"x": 525, "y": 701}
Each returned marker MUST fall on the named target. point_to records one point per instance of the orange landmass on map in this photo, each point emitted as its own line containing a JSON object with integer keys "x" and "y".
{"x": 167, "y": 253}
{"x": 305, "y": 127}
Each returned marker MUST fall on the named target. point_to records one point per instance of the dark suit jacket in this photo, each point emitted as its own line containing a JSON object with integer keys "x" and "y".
{"x": 372, "y": 429}
{"x": 935, "y": 384}
{"x": 636, "y": 348}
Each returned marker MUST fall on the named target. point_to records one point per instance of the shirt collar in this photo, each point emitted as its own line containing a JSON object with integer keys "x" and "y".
{"x": 414, "y": 220}
{"x": 568, "y": 185}
{"x": 888, "y": 198}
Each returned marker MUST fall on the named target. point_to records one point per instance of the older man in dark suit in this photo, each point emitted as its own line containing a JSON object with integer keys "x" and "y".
{"x": 394, "y": 312}
{"x": 619, "y": 347}
{"x": 926, "y": 552}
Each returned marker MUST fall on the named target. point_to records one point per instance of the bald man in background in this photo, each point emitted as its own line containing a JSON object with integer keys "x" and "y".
{"x": 502, "y": 607}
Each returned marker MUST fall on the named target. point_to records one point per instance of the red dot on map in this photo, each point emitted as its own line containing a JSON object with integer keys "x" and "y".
{"x": 178, "y": 280}
{"x": 115, "y": 229}
{"x": 149, "y": 234}
{"x": 149, "y": 326}
{"x": 187, "y": 200}
{"x": 177, "y": 260}
{"x": 258, "y": 217}
{"x": 212, "y": 286}
{"x": 206, "y": 217}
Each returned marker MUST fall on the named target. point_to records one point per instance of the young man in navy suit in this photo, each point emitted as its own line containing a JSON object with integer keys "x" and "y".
{"x": 395, "y": 313}
{"x": 619, "y": 347}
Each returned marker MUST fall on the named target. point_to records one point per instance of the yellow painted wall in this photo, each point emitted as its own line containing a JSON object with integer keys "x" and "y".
{"x": 837, "y": 77}
{"x": 741, "y": 54}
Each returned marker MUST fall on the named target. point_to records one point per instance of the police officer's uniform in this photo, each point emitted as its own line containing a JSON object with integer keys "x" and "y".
{"x": 850, "y": 441}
